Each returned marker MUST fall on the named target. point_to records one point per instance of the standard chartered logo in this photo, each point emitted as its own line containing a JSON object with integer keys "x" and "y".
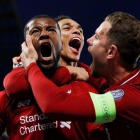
{"x": 34, "y": 123}
{"x": 37, "y": 127}
{"x": 30, "y": 124}
{"x": 65, "y": 124}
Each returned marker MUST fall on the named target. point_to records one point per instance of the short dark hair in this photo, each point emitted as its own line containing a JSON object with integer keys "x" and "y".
{"x": 125, "y": 34}
{"x": 61, "y": 17}
{"x": 39, "y": 16}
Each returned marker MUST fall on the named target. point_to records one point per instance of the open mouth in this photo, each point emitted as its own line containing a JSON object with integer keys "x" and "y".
{"x": 46, "y": 49}
{"x": 75, "y": 43}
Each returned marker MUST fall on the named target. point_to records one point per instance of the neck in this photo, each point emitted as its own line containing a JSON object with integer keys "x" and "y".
{"x": 49, "y": 70}
{"x": 115, "y": 74}
{"x": 66, "y": 63}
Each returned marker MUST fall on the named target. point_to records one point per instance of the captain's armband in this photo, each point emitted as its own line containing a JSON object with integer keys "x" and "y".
{"x": 105, "y": 108}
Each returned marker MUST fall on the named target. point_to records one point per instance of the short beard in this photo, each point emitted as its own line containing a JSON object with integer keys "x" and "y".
{"x": 98, "y": 71}
{"x": 95, "y": 74}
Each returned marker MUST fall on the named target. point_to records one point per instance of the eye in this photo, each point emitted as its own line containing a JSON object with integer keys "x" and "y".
{"x": 35, "y": 31}
{"x": 96, "y": 37}
{"x": 81, "y": 31}
{"x": 51, "y": 30}
{"x": 66, "y": 28}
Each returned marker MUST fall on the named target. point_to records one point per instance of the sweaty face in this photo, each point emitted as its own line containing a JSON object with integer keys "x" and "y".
{"x": 46, "y": 40}
{"x": 72, "y": 39}
{"x": 98, "y": 47}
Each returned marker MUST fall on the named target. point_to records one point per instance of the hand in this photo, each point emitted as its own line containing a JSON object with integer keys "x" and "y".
{"x": 29, "y": 54}
{"x": 78, "y": 73}
{"x": 17, "y": 62}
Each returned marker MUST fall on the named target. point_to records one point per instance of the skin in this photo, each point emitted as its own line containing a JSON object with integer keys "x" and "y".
{"x": 70, "y": 30}
{"x": 44, "y": 32}
{"x": 69, "y": 57}
{"x": 107, "y": 62}
{"x": 98, "y": 43}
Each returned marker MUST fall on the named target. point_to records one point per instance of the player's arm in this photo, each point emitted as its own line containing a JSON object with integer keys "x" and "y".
{"x": 16, "y": 85}
{"x": 97, "y": 108}
{"x": 60, "y": 76}
{"x": 57, "y": 104}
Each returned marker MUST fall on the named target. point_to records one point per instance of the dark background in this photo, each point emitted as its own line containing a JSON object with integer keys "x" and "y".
{"x": 89, "y": 13}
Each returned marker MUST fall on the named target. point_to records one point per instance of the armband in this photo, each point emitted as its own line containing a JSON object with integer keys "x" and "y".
{"x": 105, "y": 108}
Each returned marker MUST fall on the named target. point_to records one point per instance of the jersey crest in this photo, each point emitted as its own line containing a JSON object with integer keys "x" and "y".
{"x": 117, "y": 94}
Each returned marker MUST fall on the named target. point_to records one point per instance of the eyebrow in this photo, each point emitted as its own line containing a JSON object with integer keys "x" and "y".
{"x": 51, "y": 27}
{"x": 68, "y": 23}
{"x": 37, "y": 27}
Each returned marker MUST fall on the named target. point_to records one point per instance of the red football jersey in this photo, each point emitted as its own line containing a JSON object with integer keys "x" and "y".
{"x": 31, "y": 122}
{"x": 17, "y": 86}
{"x": 126, "y": 94}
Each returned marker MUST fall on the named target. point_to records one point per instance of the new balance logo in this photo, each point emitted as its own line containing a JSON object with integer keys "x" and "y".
{"x": 69, "y": 91}
{"x": 65, "y": 124}
{"x": 23, "y": 103}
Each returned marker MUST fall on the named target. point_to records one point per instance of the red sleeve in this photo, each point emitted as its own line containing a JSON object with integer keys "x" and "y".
{"x": 3, "y": 103}
{"x": 17, "y": 86}
{"x": 55, "y": 102}
{"x": 60, "y": 76}
{"x": 96, "y": 131}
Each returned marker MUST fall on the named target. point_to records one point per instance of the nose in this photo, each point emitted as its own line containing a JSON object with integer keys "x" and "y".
{"x": 90, "y": 41}
{"x": 76, "y": 31}
{"x": 44, "y": 35}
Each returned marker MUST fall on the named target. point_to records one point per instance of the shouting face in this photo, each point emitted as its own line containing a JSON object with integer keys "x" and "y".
{"x": 98, "y": 48}
{"x": 72, "y": 39}
{"x": 46, "y": 39}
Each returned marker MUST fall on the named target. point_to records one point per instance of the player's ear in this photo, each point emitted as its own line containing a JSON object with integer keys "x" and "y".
{"x": 111, "y": 53}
